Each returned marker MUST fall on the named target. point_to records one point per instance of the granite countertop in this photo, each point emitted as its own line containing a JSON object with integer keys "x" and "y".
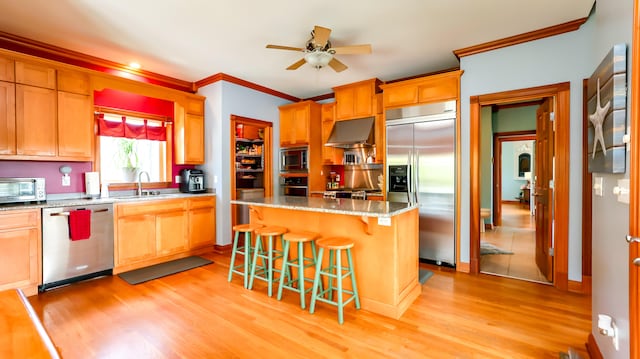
{"x": 353, "y": 207}
{"x": 79, "y": 201}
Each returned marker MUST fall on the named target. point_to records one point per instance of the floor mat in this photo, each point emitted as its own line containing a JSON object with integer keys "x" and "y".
{"x": 163, "y": 269}
{"x": 424, "y": 275}
{"x": 488, "y": 248}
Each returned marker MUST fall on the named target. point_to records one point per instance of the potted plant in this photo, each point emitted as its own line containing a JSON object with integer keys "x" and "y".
{"x": 127, "y": 158}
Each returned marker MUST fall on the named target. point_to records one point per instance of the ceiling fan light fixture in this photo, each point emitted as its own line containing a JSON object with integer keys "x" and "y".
{"x": 318, "y": 59}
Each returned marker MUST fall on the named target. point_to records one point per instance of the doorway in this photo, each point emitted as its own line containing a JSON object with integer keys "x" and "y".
{"x": 251, "y": 163}
{"x": 560, "y": 205}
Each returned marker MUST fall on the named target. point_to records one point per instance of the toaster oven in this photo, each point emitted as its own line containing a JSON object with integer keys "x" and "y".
{"x": 14, "y": 190}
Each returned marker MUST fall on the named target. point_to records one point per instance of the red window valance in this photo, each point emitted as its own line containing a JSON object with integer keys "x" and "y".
{"x": 130, "y": 130}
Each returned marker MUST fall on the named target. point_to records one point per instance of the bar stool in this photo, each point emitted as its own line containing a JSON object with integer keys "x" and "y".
{"x": 334, "y": 271}
{"x": 244, "y": 250}
{"x": 268, "y": 255}
{"x": 301, "y": 262}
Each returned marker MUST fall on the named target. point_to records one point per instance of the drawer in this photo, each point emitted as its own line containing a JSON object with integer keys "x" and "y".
{"x": 202, "y": 202}
{"x": 20, "y": 219}
{"x": 150, "y": 207}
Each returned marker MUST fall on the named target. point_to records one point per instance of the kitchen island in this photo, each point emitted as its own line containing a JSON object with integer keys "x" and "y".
{"x": 385, "y": 236}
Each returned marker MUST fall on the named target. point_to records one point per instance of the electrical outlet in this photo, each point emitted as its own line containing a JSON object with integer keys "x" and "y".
{"x": 177, "y": 179}
{"x": 597, "y": 186}
{"x": 66, "y": 181}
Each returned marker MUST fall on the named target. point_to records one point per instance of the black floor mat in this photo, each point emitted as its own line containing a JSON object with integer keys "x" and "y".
{"x": 163, "y": 269}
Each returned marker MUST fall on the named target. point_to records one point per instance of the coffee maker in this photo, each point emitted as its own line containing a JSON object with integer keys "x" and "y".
{"x": 192, "y": 181}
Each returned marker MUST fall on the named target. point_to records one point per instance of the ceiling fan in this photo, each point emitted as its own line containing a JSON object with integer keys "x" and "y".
{"x": 319, "y": 53}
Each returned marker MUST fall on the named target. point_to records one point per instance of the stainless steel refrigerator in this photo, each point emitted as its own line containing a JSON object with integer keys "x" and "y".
{"x": 421, "y": 146}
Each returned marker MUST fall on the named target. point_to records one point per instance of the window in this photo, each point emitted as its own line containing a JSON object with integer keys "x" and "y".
{"x": 129, "y": 145}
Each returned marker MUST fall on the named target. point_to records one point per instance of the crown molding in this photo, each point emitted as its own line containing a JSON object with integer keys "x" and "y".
{"x": 228, "y": 78}
{"x": 51, "y": 52}
{"x": 522, "y": 38}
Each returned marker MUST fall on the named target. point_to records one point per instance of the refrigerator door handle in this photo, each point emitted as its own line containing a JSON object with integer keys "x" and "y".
{"x": 416, "y": 161}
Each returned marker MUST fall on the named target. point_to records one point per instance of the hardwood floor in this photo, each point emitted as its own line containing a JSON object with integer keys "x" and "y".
{"x": 198, "y": 314}
{"x": 518, "y": 235}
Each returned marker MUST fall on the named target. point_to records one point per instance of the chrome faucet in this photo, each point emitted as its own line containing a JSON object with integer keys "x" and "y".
{"x": 140, "y": 181}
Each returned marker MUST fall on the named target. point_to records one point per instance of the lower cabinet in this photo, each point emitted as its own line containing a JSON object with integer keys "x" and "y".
{"x": 20, "y": 250}
{"x": 155, "y": 231}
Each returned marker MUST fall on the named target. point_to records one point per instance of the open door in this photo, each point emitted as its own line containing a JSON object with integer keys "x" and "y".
{"x": 543, "y": 193}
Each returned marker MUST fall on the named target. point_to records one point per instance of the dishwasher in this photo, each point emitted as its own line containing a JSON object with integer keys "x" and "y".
{"x": 65, "y": 260}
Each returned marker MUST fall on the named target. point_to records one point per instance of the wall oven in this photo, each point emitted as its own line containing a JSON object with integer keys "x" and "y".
{"x": 13, "y": 190}
{"x": 293, "y": 186}
{"x": 293, "y": 159}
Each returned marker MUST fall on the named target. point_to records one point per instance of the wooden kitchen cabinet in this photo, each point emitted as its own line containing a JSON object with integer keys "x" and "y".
{"x": 35, "y": 74}
{"x": 296, "y": 121}
{"x": 7, "y": 69}
{"x": 155, "y": 231}
{"x": 20, "y": 250}
{"x": 7, "y": 118}
{"x": 357, "y": 100}
{"x": 36, "y": 125}
{"x": 202, "y": 222}
{"x": 432, "y": 88}
{"x": 189, "y": 133}
{"x": 330, "y": 155}
{"x": 75, "y": 127}
{"x": 74, "y": 81}
{"x": 171, "y": 232}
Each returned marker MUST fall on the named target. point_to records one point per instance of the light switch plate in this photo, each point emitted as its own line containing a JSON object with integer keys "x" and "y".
{"x": 623, "y": 190}
{"x": 597, "y": 186}
{"x": 177, "y": 179}
{"x": 66, "y": 181}
{"x": 384, "y": 221}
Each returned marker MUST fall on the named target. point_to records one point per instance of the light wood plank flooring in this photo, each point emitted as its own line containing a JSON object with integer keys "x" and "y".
{"x": 518, "y": 235}
{"x": 198, "y": 314}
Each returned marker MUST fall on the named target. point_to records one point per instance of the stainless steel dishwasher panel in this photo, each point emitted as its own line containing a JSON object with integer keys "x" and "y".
{"x": 64, "y": 260}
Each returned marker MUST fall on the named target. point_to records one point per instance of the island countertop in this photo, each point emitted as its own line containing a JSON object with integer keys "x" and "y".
{"x": 354, "y": 207}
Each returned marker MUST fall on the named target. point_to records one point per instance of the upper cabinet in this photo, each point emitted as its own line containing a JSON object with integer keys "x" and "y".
{"x": 189, "y": 131}
{"x": 296, "y": 120}
{"x": 433, "y": 88}
{"x": 330, "y": 155}
{"x": 56, "y": 102}
{"x": 357, "y": 100}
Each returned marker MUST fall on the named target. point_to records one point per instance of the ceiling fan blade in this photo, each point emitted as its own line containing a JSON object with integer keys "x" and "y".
{"x": 296, "y": 65}
{"x": 337, "y": 66}
{"x": 279, "y": 47}
{"x": 353, "y": 49}
{"x": 320, "y": 36}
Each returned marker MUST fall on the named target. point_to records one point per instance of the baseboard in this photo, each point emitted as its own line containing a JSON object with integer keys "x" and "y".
{"x": 507, "y": 201}
{"x": 592, "y": 348}
{"x": 222, "y": 249}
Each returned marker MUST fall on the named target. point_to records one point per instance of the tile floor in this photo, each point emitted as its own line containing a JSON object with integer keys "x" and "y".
{"x": 517, "y": 234}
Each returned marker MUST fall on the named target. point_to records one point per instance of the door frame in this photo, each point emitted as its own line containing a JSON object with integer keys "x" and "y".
{"x": 634, "y": 190}
{"x": 267, "y": 152}
{"x": 561, "y": 93}
{"x": 498, "y": 139}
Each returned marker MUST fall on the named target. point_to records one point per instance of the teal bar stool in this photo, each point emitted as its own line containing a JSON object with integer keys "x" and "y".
{"x": 245, "y": 250}
{"x": 301, "y": 262}
{"x": 335, "y": 271}
{"x": 268, "y": 255}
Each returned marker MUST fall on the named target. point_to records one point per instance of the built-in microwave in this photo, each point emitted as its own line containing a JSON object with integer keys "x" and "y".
{"x": 293, "y": 159}
{"x": 13, "y": 190}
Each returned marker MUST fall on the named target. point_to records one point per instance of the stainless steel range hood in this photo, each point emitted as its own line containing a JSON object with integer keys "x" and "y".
{"x": 352, "y": 133}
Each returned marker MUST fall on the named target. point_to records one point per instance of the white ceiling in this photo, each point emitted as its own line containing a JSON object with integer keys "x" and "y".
{"x": 193, "y": 39}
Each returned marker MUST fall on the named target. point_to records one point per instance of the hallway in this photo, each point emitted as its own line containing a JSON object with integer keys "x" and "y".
{"x": 516, "y": 235}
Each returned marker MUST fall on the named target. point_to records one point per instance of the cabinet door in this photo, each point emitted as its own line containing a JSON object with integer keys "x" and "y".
{"x": 286, "y": 126}
{"x": 363, "y": 104}
{"x": 136, "y": 239}
{"x": 345, "y": 103}
{"x": 171, "y": 233}
{"x": 195, "y": 106}
{"x": 36, "y": 128}
{"x": 35, "y": 74}
{"x": 301, "y": 125}
{"x": 7, "y": 118}
{"x": 75, "y": 126}
{"x": 330, "y": 155}
{"x": 7, "y": 70}
{"x": 19, "y": 264}
{"x": 202, "y": 227}
{"x": 194, "y": 139}
{"x": 74, "y": 82}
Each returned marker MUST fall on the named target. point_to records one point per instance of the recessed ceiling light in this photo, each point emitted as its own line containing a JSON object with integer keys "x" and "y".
{"x": 134, "y": 65}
